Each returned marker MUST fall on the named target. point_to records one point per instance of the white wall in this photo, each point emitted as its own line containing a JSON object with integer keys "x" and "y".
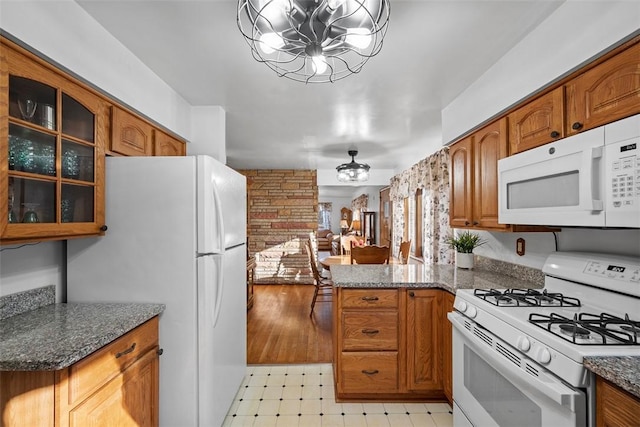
{"x": 30, "y": 267}
{"x": 208, "y": 132}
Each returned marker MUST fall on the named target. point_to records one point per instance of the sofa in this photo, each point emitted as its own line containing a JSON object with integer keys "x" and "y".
{"x": 324, "y": 237}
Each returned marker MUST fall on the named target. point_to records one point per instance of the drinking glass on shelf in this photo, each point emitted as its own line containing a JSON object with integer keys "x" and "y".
{"x": 27, "y": 108}
{"x": 30, "y": 215}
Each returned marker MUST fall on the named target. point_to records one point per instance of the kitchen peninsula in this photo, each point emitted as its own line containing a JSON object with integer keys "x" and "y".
{"x": 391, "y": 335}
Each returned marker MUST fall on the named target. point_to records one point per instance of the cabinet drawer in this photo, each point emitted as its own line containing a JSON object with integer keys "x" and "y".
{"x": 99, "y": 368}
{"x": 370, "y": 331}
{"x": 376, "y": 298}
{"x": 369, "y": 372}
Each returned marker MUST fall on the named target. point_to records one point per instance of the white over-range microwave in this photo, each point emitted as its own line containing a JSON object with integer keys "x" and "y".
{"x": 587, "y": 180}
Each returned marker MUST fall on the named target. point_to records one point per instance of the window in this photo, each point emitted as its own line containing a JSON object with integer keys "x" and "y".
{"x": 324, "y": 216}
{"x": 413, "y": 225}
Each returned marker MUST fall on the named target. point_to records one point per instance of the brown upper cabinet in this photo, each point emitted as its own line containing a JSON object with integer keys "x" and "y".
{"x": 537, "y": 123}
{"x": 474, "y": 177}
{"x": 165, "y": 145}
{"x": 130, "y": 135}
{"x": 605, "y": 93}
{"x": 54, "y": 133}
{"x": 52, "y": 136}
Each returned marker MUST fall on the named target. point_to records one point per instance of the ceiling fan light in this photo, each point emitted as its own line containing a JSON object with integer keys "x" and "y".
{"x": 349, "y": 32}
{"x": 353, "y": 171}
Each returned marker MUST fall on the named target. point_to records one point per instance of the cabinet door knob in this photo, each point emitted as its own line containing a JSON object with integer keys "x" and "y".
{"x": 476, "y": 223}
{"x": 555, "y": 134}
{"x": 160, "y": 351}
{"x": 104, "y": 228}
{"x": 576, "y": 126}
{"x": 466, "y": 223}
{"x": 412, "y": 294}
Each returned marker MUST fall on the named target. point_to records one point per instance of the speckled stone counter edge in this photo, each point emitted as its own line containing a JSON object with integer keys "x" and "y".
{"x": 21, "y": 302}
{"x": 621, "y": 371}
{"x": 58, "y": 335}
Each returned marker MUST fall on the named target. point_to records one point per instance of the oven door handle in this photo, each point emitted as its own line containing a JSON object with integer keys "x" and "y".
{"x": 553, "y": 388}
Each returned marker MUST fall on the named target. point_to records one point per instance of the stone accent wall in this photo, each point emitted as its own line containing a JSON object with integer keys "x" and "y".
{"x": 282, "y": 211}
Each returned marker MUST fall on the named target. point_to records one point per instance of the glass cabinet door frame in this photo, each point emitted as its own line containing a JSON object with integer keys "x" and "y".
{"x": 26, "y": 65}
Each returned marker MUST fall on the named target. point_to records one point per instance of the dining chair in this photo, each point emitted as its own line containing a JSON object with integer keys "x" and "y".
{"x": 347, "y": 241}
{"x": 405, "y": 248}
{"x": 369, "y": 254}
{"x": 323, "y": 285}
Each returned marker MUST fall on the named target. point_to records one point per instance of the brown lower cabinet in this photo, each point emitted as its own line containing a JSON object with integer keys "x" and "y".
{"x": 114, "y": 386}
{"x": 615, "y": 407}
{"x": 392, "y": 344}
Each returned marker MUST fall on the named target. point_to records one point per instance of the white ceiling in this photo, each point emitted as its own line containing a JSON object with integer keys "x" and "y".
{"x": 390, "y": 111}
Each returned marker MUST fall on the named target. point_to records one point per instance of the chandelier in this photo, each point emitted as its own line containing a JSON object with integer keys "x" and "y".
{"x": 314, "y": 41}
{"x": 353, "y": 171}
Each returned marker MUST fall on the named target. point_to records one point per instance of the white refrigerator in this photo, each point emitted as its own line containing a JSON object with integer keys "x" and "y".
{"x": 176, "y": 235}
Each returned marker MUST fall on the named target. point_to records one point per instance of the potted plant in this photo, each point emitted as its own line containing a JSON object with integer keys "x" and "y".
{"x": 464, "y": 244}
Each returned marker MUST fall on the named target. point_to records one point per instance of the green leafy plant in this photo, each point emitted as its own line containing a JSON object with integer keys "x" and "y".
{"x": 465, "y": 242}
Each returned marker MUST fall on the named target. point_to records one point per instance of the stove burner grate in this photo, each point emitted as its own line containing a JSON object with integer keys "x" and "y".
{"x": 590, "y": 329}
{"x": 526, "y": 298}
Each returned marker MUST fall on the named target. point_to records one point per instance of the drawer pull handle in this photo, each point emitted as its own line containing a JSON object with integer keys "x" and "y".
{"x": 369, "y": 299}
{"x": 370, "y": 371}
{"x": 370, "y": 331}
{"x": 127, "y": 351}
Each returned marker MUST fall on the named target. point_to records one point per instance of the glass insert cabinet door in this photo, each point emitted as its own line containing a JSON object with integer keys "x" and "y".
{"x": 54, "y": 155}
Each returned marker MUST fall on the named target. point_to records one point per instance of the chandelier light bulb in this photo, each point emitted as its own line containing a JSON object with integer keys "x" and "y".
{"x": 359, "y": 37}
{"x": 319, "y": 64}
{"x": 270, "y": 42}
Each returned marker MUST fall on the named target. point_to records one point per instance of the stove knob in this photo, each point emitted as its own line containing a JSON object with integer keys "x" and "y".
{"x": 544, "y": 357}
{"x": 462, "y": 306}
{"x": 472, "y": 312}
{"x": 524, "y": 344}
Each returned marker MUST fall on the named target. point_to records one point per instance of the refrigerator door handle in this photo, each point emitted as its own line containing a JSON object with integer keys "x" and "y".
{"x": 219, "y": 288}
{"x": 218, "y": 219}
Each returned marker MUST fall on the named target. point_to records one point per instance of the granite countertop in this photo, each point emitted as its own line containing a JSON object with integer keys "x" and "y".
{"x": 58, "y": 335}
{"x": 622, "y": 371}
{"x": 447, "y": 277}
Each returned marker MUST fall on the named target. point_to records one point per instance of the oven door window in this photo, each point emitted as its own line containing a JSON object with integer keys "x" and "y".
{"x": 502, "y": 400}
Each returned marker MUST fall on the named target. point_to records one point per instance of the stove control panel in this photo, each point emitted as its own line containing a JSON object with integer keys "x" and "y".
{"x": 617, "y": 271}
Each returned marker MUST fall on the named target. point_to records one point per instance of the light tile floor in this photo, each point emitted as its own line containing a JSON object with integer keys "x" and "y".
{"x": 303, "y": 395}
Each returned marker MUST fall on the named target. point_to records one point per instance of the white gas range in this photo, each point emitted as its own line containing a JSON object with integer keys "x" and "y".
{"x": 518, "y": 353}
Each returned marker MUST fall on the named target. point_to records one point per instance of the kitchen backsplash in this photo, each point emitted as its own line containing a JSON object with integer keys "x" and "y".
{"x": 528, "y": 274}
{"x": 21, "y": 302}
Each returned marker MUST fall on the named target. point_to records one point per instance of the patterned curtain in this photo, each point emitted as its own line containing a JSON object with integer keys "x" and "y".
{"x": 436, "y": 210}
{"x": 432, "y": 176}
{"x": 360, "y": 203}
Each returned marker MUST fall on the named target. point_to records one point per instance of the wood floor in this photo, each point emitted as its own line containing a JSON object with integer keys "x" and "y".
{"x": 279, "y": 329}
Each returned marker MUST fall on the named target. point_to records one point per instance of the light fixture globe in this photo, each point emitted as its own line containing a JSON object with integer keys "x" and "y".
{"x": 353, "y": 171}
{"x": 314, "y": 41}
